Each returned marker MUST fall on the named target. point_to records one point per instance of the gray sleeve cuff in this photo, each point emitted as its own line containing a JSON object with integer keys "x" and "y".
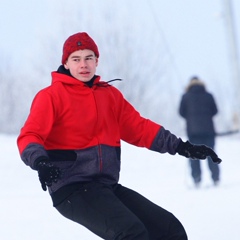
{"x": 165, "y": 142}
{"x": 32, "y": 154}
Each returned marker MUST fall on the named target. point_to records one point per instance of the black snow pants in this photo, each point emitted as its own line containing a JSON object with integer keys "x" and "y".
{"x": 116, "y": 212}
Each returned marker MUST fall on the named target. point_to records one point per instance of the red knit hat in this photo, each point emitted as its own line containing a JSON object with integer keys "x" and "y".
{"x": 78, "y": 41}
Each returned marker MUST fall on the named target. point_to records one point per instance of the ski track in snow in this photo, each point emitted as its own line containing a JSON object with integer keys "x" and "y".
{"x": 207, "y": 213}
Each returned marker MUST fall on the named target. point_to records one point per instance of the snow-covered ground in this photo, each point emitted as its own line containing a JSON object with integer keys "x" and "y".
{"x": 207, "y": 213}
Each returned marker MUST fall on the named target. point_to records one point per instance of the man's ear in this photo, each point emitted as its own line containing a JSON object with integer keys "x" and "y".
{"x": 66, "y": 66}
{"x": 96, "y": 62}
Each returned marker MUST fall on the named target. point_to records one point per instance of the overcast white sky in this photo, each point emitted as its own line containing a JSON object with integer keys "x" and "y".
{"x": 192, "y": 33}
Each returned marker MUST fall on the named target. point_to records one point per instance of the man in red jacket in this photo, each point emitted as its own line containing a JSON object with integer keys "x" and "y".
{"x": 72, "y": 138}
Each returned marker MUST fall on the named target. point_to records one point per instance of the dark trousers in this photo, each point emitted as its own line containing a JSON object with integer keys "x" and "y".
{"x": 195, "y": 164}
{"x": 116, "y": 212}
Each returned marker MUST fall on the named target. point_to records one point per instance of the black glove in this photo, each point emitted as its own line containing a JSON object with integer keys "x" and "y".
{"x": 47, "y": 173}
{"x": 189, "y": 150}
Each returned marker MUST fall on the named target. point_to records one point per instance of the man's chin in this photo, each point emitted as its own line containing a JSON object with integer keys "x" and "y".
{"x": 83, "y": 79}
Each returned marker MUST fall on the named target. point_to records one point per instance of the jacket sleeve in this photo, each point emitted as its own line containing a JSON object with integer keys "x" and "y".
{"x": 36, "y": 129}
{"x": 214, "y": 105}
{"x": 33, "y": 154}
{"x": 143, "y": 132}
{"x": 182, "y": 107}
{"x": 165, "y": 141}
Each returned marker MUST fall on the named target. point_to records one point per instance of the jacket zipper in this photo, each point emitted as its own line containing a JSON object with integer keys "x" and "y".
{"x": 99, "y": 146}
{"x": 100, "y": 157}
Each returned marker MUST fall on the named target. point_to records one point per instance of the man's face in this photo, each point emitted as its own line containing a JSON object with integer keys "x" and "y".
{"x": 82, "y": 64}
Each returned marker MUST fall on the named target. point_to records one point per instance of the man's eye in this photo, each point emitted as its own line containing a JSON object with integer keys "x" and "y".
{"x": 89, "y": 58}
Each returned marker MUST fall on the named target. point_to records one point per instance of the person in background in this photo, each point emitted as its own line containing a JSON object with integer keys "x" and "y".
{"x": 198, "y": 108}
{"x": 72, "y": 138}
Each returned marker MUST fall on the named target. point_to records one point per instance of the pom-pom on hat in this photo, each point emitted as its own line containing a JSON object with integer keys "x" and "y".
{"x": 78, "y": 41}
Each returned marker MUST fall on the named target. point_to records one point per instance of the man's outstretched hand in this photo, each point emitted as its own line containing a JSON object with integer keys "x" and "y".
{"x": 195, "y": 152}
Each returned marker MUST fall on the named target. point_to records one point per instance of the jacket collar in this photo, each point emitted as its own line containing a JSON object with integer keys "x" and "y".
{"x": 63, "y": 75}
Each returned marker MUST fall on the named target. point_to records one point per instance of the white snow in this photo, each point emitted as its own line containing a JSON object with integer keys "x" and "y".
{"x": 207, "y": 213}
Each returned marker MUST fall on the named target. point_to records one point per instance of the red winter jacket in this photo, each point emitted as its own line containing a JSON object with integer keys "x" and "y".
{"x": 79, "y": 128}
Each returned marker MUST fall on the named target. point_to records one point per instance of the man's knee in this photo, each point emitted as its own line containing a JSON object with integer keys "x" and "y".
{"x": 176, "y": 230}
{"x": 133, "y": 231}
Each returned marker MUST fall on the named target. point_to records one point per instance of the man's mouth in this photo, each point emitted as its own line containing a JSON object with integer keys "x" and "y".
{"x": 84, "y": 73}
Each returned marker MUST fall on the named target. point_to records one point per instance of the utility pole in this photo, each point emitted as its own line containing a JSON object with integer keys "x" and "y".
{"x": 233, "y": 54}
